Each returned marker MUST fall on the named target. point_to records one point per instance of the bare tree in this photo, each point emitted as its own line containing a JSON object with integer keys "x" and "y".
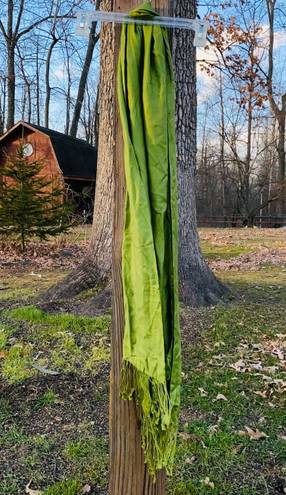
{"x": 251, "y": 64}
{"x": 17, "y": 21}
{"x": 12, "y": 34}
{"x": 279, "y": 111}
{"x": 92, "y": 41}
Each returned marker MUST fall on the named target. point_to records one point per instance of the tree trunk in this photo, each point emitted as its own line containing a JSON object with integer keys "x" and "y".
{"x": 83, "y": 78}
{"x": 47, "y": 81}
{"x": 198, "y": 285}
{"x": 96, "y": 267}
{"x": 281, "y": 164}
{"x": 11, "y": 84}
{"x": 279, "y": 114}
{"x": 38, "y": 118}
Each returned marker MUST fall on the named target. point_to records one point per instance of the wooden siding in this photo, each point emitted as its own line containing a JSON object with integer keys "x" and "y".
{"x": 43, "y": 151}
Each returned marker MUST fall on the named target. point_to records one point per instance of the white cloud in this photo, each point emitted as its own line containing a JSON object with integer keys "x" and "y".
{"x": 207, "y": 85}
{"x": 279, "y": 38}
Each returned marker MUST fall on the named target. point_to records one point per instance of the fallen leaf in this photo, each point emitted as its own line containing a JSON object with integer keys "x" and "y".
{"x": 219, "y": 344}
{"x": 184, "y": 435}
{"x": 192, "y": 436}
{"x": 85, "y": 489}
{"x": 44, "y": 369}
{"x": 279, "y": 354}
{"x": 261, "y": 394}
{"x": 252, "y": 434}
{"x": 213, "y": 429}
{"x": 221, "y": 397}
{"x": 29, "y": 491}
{"x": 262, "y": 419}
{"x": 203, "y": 392}
{"x": 190, "y": 460}
{"x": 208, "y": 483}
{"x": 237, "y": 449}
{"x": 239, "y": 366}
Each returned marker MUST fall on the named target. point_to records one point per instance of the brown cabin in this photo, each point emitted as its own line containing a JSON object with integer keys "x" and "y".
{"x": 64, "y": 157}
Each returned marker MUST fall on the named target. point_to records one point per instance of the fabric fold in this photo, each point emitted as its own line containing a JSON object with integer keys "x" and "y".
{"x": 151, "y": 369}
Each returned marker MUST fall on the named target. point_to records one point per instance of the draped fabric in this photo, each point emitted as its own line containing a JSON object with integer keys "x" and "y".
{"x": 151, "y": 369}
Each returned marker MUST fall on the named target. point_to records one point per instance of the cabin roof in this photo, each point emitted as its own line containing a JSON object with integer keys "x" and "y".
{"x": 76, "y": 157}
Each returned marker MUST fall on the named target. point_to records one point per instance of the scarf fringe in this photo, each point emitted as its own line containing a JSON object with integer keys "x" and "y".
{"x": 159, "y": 425}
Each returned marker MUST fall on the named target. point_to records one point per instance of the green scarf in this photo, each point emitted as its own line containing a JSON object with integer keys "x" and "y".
{"x": 151, "y": 370}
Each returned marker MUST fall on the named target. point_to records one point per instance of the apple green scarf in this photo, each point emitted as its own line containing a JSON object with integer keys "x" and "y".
{"x": 151, "y": 368}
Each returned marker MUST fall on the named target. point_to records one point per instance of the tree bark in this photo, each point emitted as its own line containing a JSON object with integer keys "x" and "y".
{"x": 198, "y": 285}
{"x": 281, "y": 165}
{"x": 47, "y": 81}
{"x": 279, "y": 113}
{"x": 83, "y": 78}
{"x": 11, "y": 86}
{"x": 96, "y": 267}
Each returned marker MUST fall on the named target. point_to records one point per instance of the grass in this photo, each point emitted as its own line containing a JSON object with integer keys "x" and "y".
{"x": 60, "y": 322}
{"x": 219, "y": 400}
{"x": 214, "y": 251}
{"x": 47, "y": 399}
{"x": 225, "y": 244}
{"x": 24, "y": 287}
{"x": 67, "y": 487}
{"x": 233, "y": 419}
{"x": 58, "y": 342}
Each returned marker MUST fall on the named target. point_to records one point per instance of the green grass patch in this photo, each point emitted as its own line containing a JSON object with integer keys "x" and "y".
{"x": 99, "y": 354}
{"x": 16, "y": 363}
{"x": 266, "y": 285}
{"x": 232, "y": 380}
{"x": 47, "y": 399}
{"x": 5, "y": 333}
{"x": 24, "y": 287}
{"x": 58, "y": 342}
{"x": 214, "y": 251}
{"x": 9, "y": 484}
{"x": 67, "y": 487}
{"x": 61, "y": 322}
{"x": 89, "y": 458}
{"x": 5, "y": 410}
{"x": 13, "y": 436}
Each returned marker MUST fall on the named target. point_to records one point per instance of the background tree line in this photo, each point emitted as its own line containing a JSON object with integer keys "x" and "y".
{"x": 48, "y": 75}
{"x": 241, "y": 158}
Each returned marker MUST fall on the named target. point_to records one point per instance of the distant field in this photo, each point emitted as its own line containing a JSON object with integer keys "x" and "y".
{"x": 54, "y": 368}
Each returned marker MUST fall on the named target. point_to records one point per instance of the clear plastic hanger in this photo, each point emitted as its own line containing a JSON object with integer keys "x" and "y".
{"x": 86, "y": 18}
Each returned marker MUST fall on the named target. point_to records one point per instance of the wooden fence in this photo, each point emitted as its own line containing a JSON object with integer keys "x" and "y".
{"x": 270, "y": 221}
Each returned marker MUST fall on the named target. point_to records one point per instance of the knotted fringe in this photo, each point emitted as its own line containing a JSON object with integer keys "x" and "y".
{"x": 159, "y": 425}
